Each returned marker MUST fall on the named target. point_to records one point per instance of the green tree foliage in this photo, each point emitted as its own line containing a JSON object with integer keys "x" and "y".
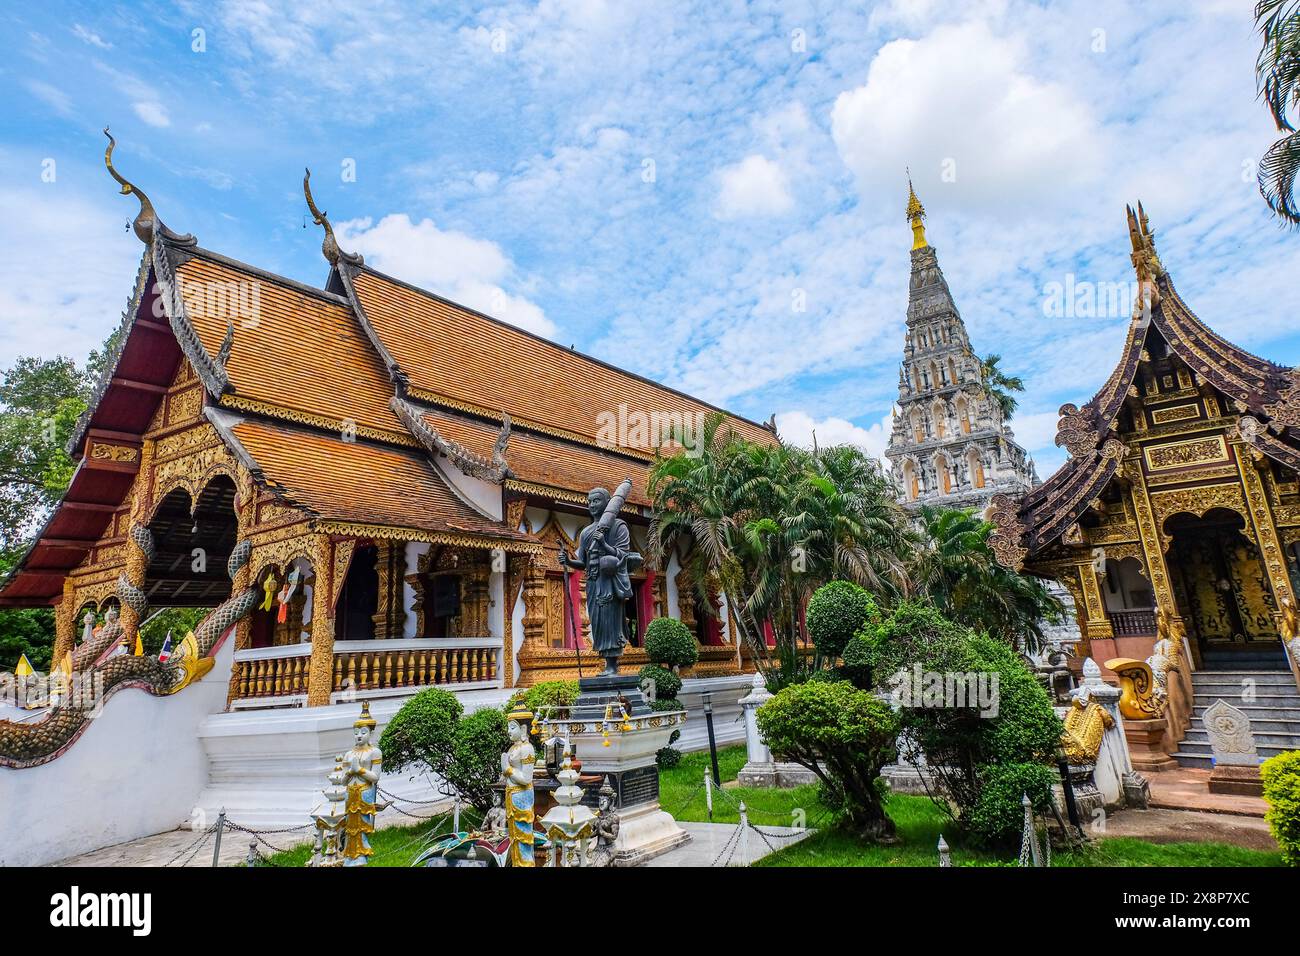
{"x": 980, "y": 755}
{"x": 465, "y": 752}
{"x": 1000, "y": 385}
{"x": 669, "y": 643}
{"x": 767, "y": 525}
{"x": 955, "y": 568}
{"x": 845, "y": 736}
{"x": 837, "y": 611}
{"x": 1277, "y": 74}
{"x": 1281, "y": 778}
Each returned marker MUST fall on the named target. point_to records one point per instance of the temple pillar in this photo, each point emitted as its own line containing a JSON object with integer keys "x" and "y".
{"x": 65, "y": 627}
{"x": 1153, "y": 551}
{"x": 1097, "y": 622}
{"x": 475, "y": 598}
{"x": 320, "y": 672}
{"x": 535, "y": 604}
{"x": 1265, "y": 533}
{"x": 390, "y": 609}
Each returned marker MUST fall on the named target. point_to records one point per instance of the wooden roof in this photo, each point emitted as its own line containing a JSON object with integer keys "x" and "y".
{"x": 538, "y": 459}
{"x": 359, "y": 482}
{"x": 455, "y": 356}
{"x": 1267, "y": 395}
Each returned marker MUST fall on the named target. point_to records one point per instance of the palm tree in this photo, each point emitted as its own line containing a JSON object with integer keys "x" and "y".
{"x": 956, "y": 569}
{"x": 1277, "y": 73}
{"x": 1001, "y": 385}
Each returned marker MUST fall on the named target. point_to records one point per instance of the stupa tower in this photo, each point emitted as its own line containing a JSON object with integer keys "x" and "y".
{"x": 950, "y": 445}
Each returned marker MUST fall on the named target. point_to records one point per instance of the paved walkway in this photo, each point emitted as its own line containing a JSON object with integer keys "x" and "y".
{"x": 1189, "y": 789}
{"x": 1191, "y": 826}
{"x": 182, "y": 848}
{"x": 711, "y": 845}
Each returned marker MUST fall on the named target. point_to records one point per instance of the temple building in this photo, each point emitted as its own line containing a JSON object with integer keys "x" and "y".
{"x": 401, "y": 470}
{"x": 951, "y": 446}
{"x": 1175, "y": 523}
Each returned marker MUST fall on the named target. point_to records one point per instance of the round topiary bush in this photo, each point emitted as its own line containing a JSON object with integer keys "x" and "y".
{"x": 477, "y": 745}
{"x": 836, "y": 612}
{"x": 1281, "y": 778}
{"x": 659, "y": 683}
{"x": 670, "y": 643}
{"x": 547, "y": 693}
{"x": 842, "y": 734}
{"x": 423, "y": 731}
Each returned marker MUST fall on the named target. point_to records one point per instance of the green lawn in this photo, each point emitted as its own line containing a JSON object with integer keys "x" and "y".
{"x": 918, "y": 820}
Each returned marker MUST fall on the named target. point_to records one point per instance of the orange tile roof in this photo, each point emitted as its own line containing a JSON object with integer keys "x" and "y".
{"x": 474, "y": 361}
{"x": 358, "y": 482}
{"x": 306, "y": 353}
{"x": 542, "y": 460}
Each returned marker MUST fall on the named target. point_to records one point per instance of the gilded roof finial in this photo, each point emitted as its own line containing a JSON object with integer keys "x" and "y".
{"x": 147, "y": 223}
{"x": 915, "y": 214}
{"x": 329, "y": 246}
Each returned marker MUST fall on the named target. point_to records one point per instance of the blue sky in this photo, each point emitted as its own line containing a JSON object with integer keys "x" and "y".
{"x": 664, "y": 184}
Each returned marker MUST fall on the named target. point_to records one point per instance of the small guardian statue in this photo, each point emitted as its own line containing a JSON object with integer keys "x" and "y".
{"x": 605, "y": 555}
{"x": 517, "y": 767}
{"x": 361, "y": 779}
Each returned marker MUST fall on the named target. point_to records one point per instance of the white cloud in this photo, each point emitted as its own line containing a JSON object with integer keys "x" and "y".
{"x": 152, "y": 112}
{"x": 962, "y": 101}
{"x": 755, "y": 186}
{"x": 50, "y": 95}
{"x": 87, "y": 36}
{"x": 798, "y": 428}
{"x": 452, "y": 264}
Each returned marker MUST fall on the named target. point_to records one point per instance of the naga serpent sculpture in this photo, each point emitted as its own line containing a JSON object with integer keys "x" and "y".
{"x": 29, "y": 744}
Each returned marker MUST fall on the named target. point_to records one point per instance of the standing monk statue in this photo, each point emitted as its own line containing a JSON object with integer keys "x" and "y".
{"x": 605, "y": 555}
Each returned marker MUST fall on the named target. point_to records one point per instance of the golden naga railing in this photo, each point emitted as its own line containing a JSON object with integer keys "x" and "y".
{"x": 268, "y": 673}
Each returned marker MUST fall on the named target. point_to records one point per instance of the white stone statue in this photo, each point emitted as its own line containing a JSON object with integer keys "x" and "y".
{"x": 362, "y": 765}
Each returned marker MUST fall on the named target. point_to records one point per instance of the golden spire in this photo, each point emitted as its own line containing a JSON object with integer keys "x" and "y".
{"x": 915, "y": 213}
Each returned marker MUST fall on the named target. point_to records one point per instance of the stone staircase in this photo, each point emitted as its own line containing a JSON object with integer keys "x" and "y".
{"x": 1274, "y": 712}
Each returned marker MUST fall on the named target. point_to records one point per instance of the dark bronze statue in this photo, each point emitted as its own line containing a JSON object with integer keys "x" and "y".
{"x": 605, "y": 555}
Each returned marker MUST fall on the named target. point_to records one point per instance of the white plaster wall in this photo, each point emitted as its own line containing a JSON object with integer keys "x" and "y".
{"x": 536, "y": 517}
{"x": 496, "y": 599}
{"x": 516, "y": 642}
{"x": 138, "y": 769}
{"x": 414, "y": 551}
{"x": 674, "y": 608}
{"x": 482, "y": 495}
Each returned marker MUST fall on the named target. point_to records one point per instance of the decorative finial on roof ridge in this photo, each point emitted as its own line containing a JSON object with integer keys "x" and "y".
{"x": 146, "y": 224}
{"x": 1146, "y": 262}
{"x": 329, "y": 246}
{"x": 915, "y": 215}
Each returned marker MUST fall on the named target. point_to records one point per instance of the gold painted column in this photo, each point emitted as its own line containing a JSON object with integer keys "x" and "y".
{"x": 1265, "y": 530}
{"x": 65, "y": 627}
{"x": 390, "y": 608}
{"x": 1094, "y": 606}
{"x": 1152, "y": 546}
{"x": 320, "y": 672}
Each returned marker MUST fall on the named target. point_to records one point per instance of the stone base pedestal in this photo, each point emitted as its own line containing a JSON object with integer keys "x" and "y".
{"x": 1137, "y": 791}
{"x": 1238, "y": 780}
{"x": 775, "y": 775}
{"x": 616, "y": 735}
{"x": 1146, "y": 745}
{"x": 645, "y": 832}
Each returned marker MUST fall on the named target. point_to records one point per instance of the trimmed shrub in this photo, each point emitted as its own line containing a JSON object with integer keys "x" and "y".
{"x": 1281, "y": 777}
{"x": 477, "y": 746}
{"x": 836, "y": 612}
{"x": 547, "y": 693}
{"x": 998, "y": 815}
{"x": 665, "y": 684}
{"x": 423, "y": 731}
{"x": 985, "y": 754}
{"x": 464, "y": 751}
{"x": 842, "y": 734}
{"x": 669, "y": 643}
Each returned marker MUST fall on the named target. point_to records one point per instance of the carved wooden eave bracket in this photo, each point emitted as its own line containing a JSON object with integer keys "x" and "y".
{"x": 1254, "y": 433}
{"x": 496, "y": 469}
{"x": 1285, "y": 412}
{"x": 1076, "y": 431}
{"x": 329, "y": 245}
{"x": 1007, "y": 539}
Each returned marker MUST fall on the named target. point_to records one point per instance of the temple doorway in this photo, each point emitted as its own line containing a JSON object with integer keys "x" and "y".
{"x": 1220, "y": 583}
